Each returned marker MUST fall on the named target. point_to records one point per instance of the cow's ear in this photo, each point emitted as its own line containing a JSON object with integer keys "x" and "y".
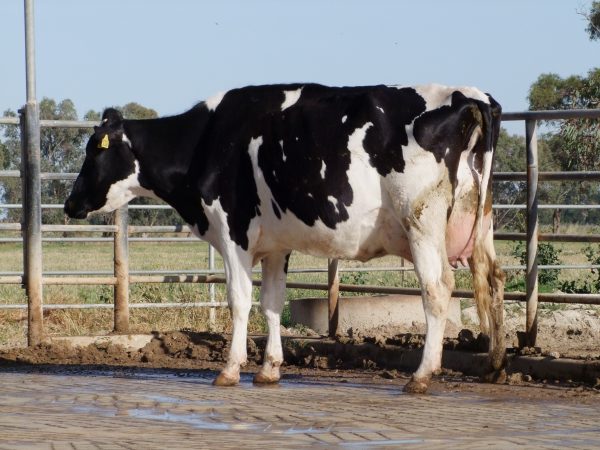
{"x": 110, "y": 129}
{"x": 112, "y": 118}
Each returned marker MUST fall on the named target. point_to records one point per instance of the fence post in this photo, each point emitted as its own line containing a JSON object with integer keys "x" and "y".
{"x": 333, "y": 283}
{"x": 30, "y": 172}
{"x": 32, "y": 221}
{"x": 211, "y": 289}
{"x": 531, "y": 281}
{"x": 121, "y": 268}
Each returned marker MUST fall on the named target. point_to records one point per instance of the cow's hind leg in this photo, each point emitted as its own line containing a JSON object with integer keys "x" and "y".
{"x": 272, "y": 292}
{"x": 238, "y": 271}
{"x": 437, "y": 282}
{"x": 488, "y": 283}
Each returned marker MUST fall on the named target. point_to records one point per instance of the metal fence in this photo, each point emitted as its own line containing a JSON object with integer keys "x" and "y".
{"x": 32, "y": 231}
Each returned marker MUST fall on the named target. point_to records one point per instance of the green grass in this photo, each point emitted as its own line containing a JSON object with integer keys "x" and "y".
{"x": 194, "y": 256}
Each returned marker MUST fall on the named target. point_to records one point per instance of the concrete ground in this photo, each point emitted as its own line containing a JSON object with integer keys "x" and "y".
{"x": 45, "y": 408}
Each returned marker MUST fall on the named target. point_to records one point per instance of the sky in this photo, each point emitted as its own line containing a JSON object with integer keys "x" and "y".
{"x": 168, "y": 55}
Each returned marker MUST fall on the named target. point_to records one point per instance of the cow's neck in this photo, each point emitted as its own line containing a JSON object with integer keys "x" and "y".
{"x": 168, "y": 142}
{"x": 165, "y": 149}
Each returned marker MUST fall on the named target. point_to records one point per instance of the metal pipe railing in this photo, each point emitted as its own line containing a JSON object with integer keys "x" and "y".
{"x": 31, "y": 188}
{"x": 531, "y": 276}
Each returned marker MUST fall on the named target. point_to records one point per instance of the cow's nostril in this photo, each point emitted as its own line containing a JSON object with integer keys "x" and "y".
{"x": 73, "y": 211}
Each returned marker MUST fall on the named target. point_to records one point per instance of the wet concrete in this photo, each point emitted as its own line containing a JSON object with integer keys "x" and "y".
{"x": 82, "y": 408}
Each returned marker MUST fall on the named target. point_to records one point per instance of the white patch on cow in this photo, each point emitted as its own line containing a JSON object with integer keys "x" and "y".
{"x": 437, "y": 95}
{"x": 334, "y": 202}
{"x": 323, "y": 169}
{"x": 380, "y": 109}
{"x": 125, "y": 190}
{"x": 254, "y": 145}
{"x": 344, "y": 119}
{"x": 283, "y": 155}
{"x": 297, "y": 138}
{"x": 473, "y": 92}
{"x": 213, "y": 102}
{"x": 355, "y": 140}
{"x": 218, "y": 229}
{"x": 291, "y": 97}
{"x": 126, "y": 140}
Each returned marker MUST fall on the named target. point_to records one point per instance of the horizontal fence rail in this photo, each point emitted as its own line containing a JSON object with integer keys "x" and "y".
{"x": 183, "y": 233}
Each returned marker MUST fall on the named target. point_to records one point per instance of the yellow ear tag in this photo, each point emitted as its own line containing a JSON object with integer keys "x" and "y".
{"x": 104, "y": 143}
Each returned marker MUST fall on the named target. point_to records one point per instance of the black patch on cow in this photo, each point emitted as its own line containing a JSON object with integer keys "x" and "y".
{"x": 287, "y": 263}
{"x": 232, "y": 183}
{"x": 165, "y": 149}
{"x": 446, "y": 131}
{"x": 304, "y": 156}
{"x": 390, "y": 111}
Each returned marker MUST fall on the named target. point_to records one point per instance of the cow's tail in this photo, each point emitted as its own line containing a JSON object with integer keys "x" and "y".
{"x": 488, "y": 278}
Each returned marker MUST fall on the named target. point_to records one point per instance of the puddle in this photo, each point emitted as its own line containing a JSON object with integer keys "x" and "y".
{"x": 195, "y": 420}
{"x": 94, "y": 410}
{"x": 183, "y": 401}
{"x": 311, "y": 430}
{"x": 367, "y": 444}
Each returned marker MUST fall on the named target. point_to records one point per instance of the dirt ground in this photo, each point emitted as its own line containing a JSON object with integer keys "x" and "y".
{"x": 187, "y": 351}
{"x": 563, "y": 331}
{"x": 353, "y": 357}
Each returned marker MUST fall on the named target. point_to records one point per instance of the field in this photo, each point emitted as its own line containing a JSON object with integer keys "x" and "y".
{"x": 190, "y": 256}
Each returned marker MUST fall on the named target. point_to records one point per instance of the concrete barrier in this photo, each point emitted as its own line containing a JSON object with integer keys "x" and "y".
{"x": 364, "y": 313}
{"x": 130, "y": 342}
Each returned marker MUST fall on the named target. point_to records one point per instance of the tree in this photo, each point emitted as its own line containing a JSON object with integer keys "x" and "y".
{"x": 11, "y": 160}
{"x": 593, "y": 19}
{"x": 60, "y": 150}
{"x": 574, "y": 144}
{"x": 509, "y": 156}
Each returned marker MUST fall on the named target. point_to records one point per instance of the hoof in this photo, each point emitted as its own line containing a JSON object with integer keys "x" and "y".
{"x": 261, "y": 378}
{"x": 416, "y": 386}
{"x": 225, "y": 380}
{"x": 497, "y": 376}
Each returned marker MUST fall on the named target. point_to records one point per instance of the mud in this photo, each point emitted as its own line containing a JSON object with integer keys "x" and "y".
{"x": 374, "y": 357}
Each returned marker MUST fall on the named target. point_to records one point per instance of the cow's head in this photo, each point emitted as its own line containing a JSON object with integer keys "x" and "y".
{"x": 109, "y": 175}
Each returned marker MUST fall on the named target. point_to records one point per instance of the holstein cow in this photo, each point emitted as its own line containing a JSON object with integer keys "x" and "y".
{"x": 338, "y": 172}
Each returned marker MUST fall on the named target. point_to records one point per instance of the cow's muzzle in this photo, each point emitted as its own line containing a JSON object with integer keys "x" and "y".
{"x": 75, "y": 211}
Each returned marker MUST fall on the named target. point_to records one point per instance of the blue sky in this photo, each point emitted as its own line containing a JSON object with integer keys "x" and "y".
{"x": 170, "y": 54}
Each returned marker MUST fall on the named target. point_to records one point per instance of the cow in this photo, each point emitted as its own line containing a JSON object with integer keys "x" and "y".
{"x": 338, "y": 172}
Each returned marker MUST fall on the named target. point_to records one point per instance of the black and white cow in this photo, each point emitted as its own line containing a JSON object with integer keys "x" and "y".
{"x": 348, "y": 172}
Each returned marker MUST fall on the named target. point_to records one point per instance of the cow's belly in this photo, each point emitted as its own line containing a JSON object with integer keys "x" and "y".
{"x": 364, "y": 236}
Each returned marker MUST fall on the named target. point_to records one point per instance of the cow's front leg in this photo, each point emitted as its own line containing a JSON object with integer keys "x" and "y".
{"x": 437, "y": 283}
{"x": 238, "y": 271}
{"x": 272, "y": 292}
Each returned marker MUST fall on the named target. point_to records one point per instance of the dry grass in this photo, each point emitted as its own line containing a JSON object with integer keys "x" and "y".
{"x": 185, "y": 256}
